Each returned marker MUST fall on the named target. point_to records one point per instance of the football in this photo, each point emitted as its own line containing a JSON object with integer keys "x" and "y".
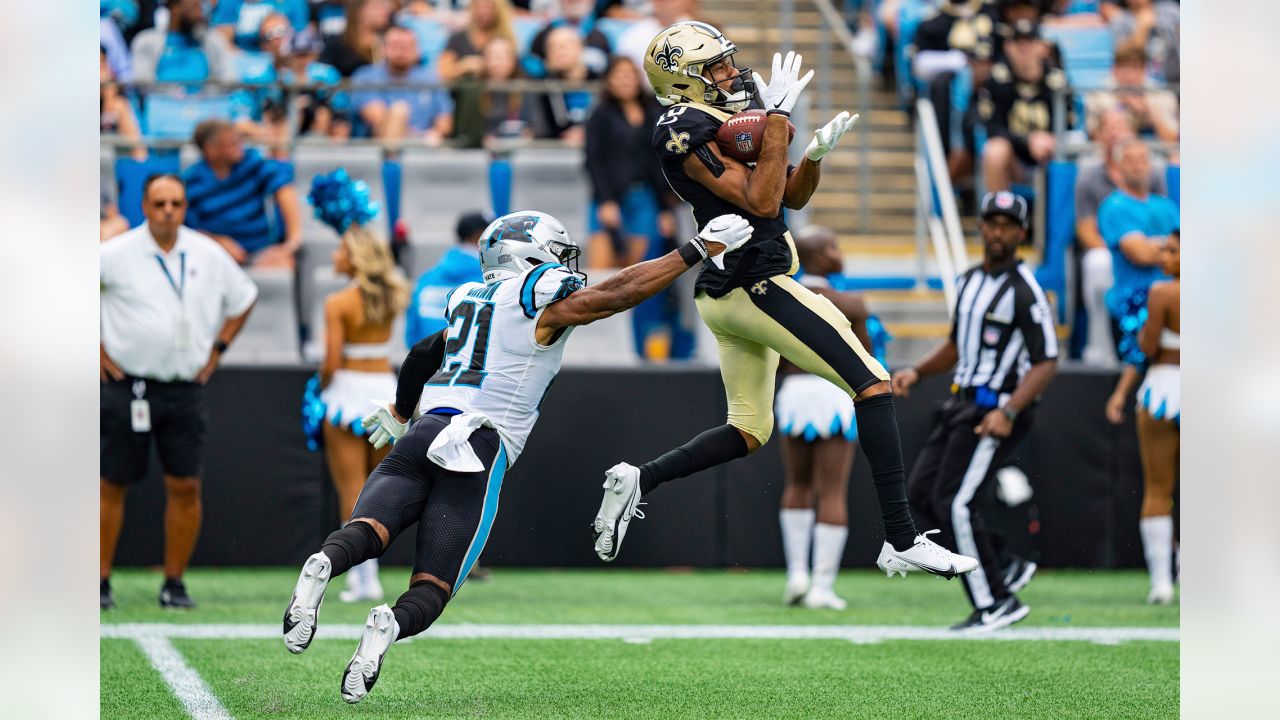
{"x": 741, "y": 136}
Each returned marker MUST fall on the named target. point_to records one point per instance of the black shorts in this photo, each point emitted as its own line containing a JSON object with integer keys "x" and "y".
{"x": 179, "y": 422}
{"x": 454, "y": 511}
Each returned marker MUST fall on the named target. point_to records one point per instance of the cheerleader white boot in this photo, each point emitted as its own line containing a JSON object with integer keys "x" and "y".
{"x": 1157, "y": 545}
{"x": 828, "y": 548}
{"x": 797, "y": 529}
{"x": 362, "y": 583}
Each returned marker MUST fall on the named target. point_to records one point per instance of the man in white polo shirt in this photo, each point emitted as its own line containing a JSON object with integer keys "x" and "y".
{"x": 171, "y": 301}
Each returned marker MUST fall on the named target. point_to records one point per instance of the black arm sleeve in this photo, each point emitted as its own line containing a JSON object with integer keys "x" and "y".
{"x": 423, "y": 360}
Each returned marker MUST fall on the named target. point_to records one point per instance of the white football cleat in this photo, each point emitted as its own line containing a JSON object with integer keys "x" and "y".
{"x": 302, "y": 615}
{"x": 380, "y": 630}
{"x": 1160, "y": 595}
{"x": 621, "y": 496}
{"x": 796, "y": 588}
{"x": 823, "y": 599}
{"x": 924, "y": 556}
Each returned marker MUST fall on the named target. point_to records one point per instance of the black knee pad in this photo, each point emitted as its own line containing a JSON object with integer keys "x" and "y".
{"x": 419, "y": 607}
{"x": 352, "y": 545}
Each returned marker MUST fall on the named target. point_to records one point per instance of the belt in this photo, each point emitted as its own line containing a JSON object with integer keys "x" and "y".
{"x": 983, "y": 396}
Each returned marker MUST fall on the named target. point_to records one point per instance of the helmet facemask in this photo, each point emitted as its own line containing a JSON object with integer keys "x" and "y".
{"x": 740, "y": 90}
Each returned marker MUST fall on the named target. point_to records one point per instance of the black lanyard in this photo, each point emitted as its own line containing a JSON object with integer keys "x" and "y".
{"x": 181, "y": 285}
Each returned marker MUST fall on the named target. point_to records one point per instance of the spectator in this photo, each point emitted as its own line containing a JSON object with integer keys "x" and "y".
{"x": 1135, "y": 223}
{"x": 392, "y": 114}
{"x": 227, "y": 190}
{"x": 1016, "y": 105}
{"x": 956, "y": 37}
{"x": 115, "y": 113}
{"x": 1152, "y": 112}
{"x": 288, "y": 58}
{"x": 116, "y": 50}
{"x": 629, "y": 193}
{"x": 1149, "y": 24}
{"x": 184, "y": 52}
{"x": 566, "y": 111}
{"x": 1096, "y": 180}
{"x": 1009, "y": 13}
{"x": 361, "y": 40}
{"x": 462, "y": 55}
{"x": 459, "y": 265}
{"x": 240, "y": 21}
{"x": 577, "y": 15}
{"x": 635, "y": 41}
{"x": 357, "y": 367}
{"x": 485, "y": 115}
{"x": 164, "y": 330}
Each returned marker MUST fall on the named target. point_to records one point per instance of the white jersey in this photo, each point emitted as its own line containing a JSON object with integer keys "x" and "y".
{"x": 493, "y": 364}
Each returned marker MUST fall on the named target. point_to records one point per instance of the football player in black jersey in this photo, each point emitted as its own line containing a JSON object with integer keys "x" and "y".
{"x": 750, "y": 302}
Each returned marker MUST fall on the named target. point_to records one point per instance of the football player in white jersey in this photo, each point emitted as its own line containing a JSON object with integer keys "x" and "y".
{"x": 475, "y": 388}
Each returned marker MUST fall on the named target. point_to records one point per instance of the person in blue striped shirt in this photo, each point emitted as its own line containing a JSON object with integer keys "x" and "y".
{"x": 227, "y": 193}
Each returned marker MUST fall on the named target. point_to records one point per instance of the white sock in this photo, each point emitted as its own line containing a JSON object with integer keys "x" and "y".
{"x": 371, "y": 572}
{"x": 828, "y": 549}
{"x": 797, "y": 528}
{"x": 1157, "y": 545}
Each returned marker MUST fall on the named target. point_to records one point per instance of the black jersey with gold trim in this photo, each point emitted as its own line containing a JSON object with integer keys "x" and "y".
{"x": 686, "y": 129}
{"x": 1013, "y": 108}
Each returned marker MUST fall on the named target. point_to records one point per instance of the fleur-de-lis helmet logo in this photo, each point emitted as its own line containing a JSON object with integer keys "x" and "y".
{"x": 666, "y": 57}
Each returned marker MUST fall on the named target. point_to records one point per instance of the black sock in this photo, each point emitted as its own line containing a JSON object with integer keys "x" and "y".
{"x": 711, "y": 448}
{"x": 418, "y": 608}
{"x": 351, "y": 545}
{"x": 878, "y": 436}
{"x": 173, "y": 583}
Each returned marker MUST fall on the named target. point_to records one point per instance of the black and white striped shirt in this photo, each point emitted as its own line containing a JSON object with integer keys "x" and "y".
{"x": 1002, "y": 326}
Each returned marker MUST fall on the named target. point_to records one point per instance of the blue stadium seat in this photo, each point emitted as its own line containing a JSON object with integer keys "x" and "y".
{"x": 1087, "y": 54}
{"x": 432, "y": 37}
{"x": 175, "y": 117}
{"x": 612, "y": 29}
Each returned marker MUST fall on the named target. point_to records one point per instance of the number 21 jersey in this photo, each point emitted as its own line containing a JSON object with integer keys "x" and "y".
{"x": 493, "y": 364}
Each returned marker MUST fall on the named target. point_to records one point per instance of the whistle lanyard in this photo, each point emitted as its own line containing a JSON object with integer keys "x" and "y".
{"x": 181, "y": 284}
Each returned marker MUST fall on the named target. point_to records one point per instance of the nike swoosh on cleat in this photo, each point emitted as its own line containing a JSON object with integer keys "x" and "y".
{"x": 950, "y": 571}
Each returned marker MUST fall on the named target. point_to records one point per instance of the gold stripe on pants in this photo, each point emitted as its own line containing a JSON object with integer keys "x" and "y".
{"x": 753, "y": 325}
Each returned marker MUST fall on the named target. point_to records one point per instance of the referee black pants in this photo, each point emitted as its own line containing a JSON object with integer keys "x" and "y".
{"x": 948, "y": 483}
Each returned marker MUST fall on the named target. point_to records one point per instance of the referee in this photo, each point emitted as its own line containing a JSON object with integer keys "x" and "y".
{"x": 1004, "y": 350}
{"x": 171, "y": 301}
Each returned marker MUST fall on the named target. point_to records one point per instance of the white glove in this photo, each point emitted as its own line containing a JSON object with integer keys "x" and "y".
{"x": 732, "y": 231}
{"x": 384, "y": 425}
{"x": 828, "y": 135}
{"x": 785, "y": 83}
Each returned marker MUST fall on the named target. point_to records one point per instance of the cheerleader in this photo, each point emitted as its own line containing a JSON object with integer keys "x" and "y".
{"x": 818, "y": 447}
{"x": 357, "y": 368}
{"x": 1159, "y": 416}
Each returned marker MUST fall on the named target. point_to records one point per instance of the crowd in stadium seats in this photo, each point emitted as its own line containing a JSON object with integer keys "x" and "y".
{"x": 1020, "y": 85}
{"x": 258, "y": 91}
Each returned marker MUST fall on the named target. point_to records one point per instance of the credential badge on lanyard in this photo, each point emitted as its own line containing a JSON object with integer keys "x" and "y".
{"x": 182, "y": 330}
{"x": 139, "y": 408}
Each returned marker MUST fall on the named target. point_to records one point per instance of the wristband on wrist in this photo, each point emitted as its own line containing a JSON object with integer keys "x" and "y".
{"x": 1009, "y": 413}
{"x": 221, "y": 346}
{"x": 693, "y": 252}
{"x": 783, "y": 113}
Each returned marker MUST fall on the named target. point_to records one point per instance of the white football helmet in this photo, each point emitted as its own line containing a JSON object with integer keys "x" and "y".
{"x": 520, "y": 240}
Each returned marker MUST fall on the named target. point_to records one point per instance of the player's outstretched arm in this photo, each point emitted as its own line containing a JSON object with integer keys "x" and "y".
{"x": 424, "y": 359}
{"x": 633, "y": 285}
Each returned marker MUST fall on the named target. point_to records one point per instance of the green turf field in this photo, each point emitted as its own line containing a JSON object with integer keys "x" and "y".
{"x": 516, "y": 647}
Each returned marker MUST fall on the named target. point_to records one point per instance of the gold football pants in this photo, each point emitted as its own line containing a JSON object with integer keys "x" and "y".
{"x": 779, "y": 316}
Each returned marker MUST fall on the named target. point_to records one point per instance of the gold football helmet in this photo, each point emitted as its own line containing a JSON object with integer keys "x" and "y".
{"x": 676, "y": 59}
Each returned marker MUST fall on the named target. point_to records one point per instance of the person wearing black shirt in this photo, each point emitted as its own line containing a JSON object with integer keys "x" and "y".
{"x": 751, "y": 303}
{"x": 1016, "y": 106}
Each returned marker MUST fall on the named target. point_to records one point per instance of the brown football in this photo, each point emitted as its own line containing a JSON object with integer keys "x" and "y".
{"x": 741, "y": 136}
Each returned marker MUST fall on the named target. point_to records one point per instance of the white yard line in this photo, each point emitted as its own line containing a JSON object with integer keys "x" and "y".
{"x": 185, "y": 682}
{"x": 646, "y": 633}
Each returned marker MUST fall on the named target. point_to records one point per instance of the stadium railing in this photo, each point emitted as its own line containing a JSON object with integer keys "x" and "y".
{"x": 936, "y": 211}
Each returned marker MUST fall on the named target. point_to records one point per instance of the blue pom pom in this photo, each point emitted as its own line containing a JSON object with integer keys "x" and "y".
{"x": 1133, "y": 315}
{"x": 341, "y": 202}
{"x": 313, "y": 411}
